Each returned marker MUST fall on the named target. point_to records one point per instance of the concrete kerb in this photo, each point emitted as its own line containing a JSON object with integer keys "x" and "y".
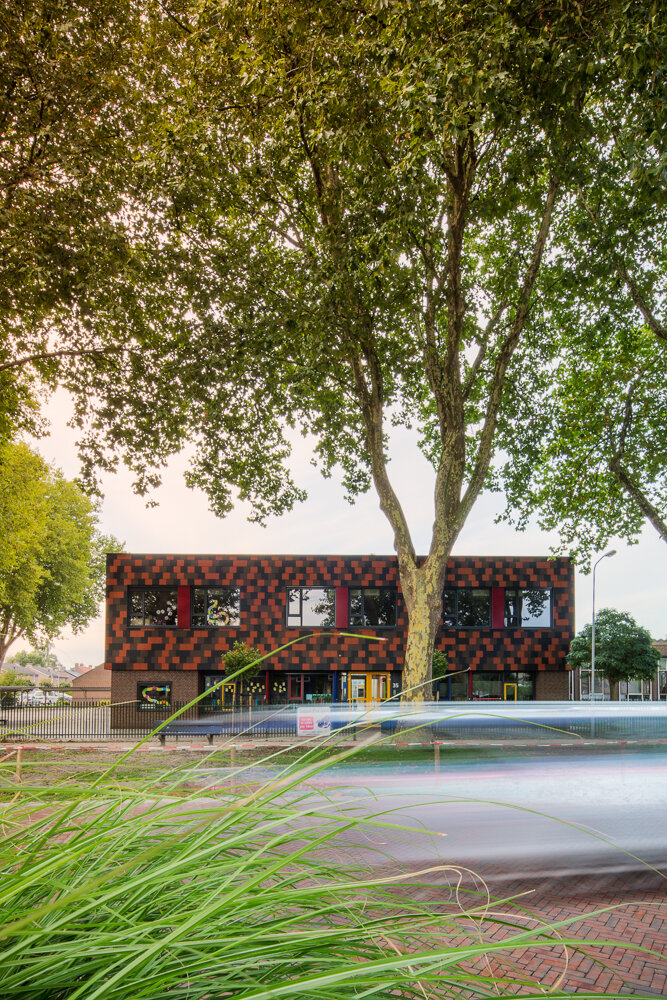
{"x": 259, "y": 743}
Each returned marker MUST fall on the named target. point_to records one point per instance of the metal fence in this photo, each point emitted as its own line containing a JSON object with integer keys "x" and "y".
{"x": 26, "y": 716}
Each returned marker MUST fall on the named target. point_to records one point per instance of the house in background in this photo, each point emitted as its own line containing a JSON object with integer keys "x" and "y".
{"x": 93, "y": 684}
{"x": 506, "y": 627}
{"x": 635, "y": 690}
{"x": 53, "y": 676}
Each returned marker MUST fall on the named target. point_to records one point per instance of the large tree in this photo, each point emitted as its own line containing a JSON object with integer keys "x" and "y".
{"x": 623, "y": 650}
{"x": 365, "y": 193}
{"x": 52, "y": 557}
{"x": 354, "y": 202}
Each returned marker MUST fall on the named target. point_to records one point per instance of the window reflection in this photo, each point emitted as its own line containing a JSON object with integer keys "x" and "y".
{"x": 153, "y": 606}
{"x": 527, "y": 608}
{"x": 467, "y": 607}
{"x": 311, "y": 606}
{"x": 373, "y": 607}
{"x": 216, "y": 607}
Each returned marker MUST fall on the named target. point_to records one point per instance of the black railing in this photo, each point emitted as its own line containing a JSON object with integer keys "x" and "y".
{"x": 36, "y": 715}
{"x": 31, "y": 715}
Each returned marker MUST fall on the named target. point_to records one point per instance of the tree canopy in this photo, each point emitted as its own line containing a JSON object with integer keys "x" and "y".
{"x": 348, "y": 213}
{"x": 81, "y": 283}
{"x": 587, "y": 438}
{"x": 623, "y": 650}
{"x": 52, "y": 557}
{"x": 591, "y": 461}
{"x": 365, "y": 195}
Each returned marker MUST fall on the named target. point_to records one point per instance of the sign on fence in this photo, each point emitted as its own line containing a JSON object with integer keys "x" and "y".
{"x": 313, "y": 721}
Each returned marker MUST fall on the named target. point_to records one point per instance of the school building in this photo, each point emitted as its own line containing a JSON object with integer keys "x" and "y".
{"x": 507, "y": 623}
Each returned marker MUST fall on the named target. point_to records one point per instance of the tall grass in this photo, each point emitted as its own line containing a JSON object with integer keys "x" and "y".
{"x": 163, "y": 891}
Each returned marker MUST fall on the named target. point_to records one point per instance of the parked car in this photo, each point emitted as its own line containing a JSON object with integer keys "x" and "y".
{"x": 37, "y": 696}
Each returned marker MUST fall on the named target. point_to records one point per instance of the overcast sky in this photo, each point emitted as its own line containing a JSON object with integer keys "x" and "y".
{"x": 631, "y": 581}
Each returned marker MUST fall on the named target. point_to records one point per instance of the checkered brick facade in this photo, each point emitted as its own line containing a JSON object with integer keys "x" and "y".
{"x": 264, "y": 581}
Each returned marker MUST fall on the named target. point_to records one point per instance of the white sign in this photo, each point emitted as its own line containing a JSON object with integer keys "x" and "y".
{"x": 313, "y": 722}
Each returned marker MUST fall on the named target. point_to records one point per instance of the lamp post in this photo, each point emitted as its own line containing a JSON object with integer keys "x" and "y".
{"x": 591, "y": 697}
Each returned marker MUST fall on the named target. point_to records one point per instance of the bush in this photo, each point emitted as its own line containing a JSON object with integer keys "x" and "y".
{"x": 240, "y": 656}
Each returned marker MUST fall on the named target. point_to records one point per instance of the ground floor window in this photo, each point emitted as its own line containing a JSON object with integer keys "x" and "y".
{"x": 278, "y": 688}
{"x": 223, "y": 698}
{"x": 627, "y": 690}
{"x": 507, "y": 685}
{"x": 662, "y": 679}
{"x": 454, "y": 688}
{"x": 151, "y": 697}
{"x": 601, "y": 692}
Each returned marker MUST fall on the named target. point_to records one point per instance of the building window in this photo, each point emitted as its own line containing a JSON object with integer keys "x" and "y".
{"x": 152, "y": 697}
{"x": 154, "y": 606}
{"x": 216, "y": 607}
{"x": 466, "y": 607}
{"x": 527, "y": 609}
{"x": 295, "y": 687}
{"x": 311, "y": 606}
{"x": 373, "y": 607}
{"x": 508, "y": 685}
{"x": 601, "y": 693}
{"x": 662, "y": 679}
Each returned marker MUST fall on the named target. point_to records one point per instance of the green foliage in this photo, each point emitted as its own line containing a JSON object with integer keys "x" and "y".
{"x": 78, "y": 87}
{"x": 332, "y": 218}
{"x": 40, "y": 657}
{"x": 52, "y": 557}
{"x": 9, "y": 678}
{"x": 623, "y": 650}
{"x": 586, "y": 434}
{"x": 252, "y": 896}
{"x": 241, "y": 655}
{"x": 440, "y": 664}
{"x": 590, "y": 461}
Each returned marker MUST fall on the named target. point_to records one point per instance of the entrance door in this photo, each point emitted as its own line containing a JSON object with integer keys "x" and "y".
{"x": 379, "y": 687}
{"x": 357, "y": 688}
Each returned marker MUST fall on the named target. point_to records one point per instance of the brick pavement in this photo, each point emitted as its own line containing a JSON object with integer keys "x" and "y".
{"x": 639, "y": 917}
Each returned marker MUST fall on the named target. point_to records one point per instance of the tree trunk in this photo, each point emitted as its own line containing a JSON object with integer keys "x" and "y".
{"x": 5, "y": 643}
{"x": 614, "y": 690}
{"x": 422, "y": 591}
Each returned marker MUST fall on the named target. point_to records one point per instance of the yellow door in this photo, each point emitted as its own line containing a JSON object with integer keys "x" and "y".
{"x": 379, "y": 687}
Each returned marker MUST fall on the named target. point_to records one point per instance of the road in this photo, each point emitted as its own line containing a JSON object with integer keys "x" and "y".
{"x": 570, "y": 829}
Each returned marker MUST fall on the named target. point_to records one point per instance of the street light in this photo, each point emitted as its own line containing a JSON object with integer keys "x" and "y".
{"x": 591, "y": 696}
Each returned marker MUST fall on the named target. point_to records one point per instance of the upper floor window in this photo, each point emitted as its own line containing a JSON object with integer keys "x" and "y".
{"x": 153, "y": 606}
{"x": 373, "y": 607}
{"x": 466, "y": 607}
{"x": 528, "y": 609}
{"x": 311, "y": 606}
{"x": 216, "y": 607}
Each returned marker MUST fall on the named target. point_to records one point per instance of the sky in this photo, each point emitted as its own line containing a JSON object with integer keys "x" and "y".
{"x": 634, "y": 580}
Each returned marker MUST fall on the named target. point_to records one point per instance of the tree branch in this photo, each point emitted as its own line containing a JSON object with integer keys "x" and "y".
{"x": 485, "y": 450}
{"x": 371, "y": 410}
{"x": 65, "y": 352}
{"x": 634, "y": 491}
{"x": 654, "y": 325}
{"x": 483, "y": 347}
